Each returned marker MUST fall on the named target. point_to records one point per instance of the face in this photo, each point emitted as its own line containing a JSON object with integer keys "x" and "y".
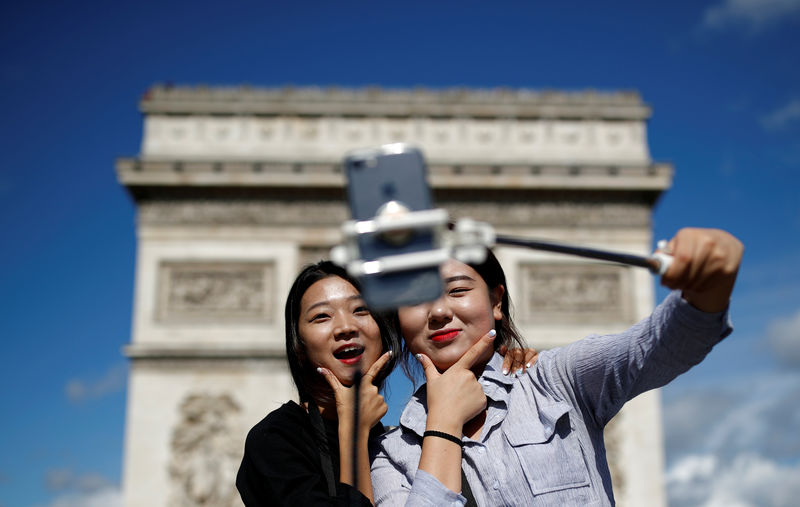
{"x": 338, "y": 331}
{"x": 446, "y": 328}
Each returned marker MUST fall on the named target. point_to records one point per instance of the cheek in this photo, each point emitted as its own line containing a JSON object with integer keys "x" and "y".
{"x": 413, "y": 321}
{"x": 311, "y": 345}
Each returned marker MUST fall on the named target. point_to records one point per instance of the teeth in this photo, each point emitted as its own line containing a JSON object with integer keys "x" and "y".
{"x": 349, "y": 350}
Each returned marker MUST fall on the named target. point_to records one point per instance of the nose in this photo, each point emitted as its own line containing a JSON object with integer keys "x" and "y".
{"x": 344, "y": 327}
{"x": 439, "y": 313}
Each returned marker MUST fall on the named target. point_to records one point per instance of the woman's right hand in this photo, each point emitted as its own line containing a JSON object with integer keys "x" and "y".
{"x": 455, "y": 396}
{"x": 372, "y": 406}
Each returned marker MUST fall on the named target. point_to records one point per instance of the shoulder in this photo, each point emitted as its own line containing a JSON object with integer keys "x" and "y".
{"x": 289, "y": 418}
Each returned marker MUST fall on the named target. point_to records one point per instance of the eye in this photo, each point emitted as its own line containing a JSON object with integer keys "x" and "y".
{"x": 361, "y": 310}
{"x": 319, "y": 317}
{"x": 458, "y": 291}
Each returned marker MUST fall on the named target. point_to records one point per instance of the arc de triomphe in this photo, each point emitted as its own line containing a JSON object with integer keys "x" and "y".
{"x": 237, "y": 188}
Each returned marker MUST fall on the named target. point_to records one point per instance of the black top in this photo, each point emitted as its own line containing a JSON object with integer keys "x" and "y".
{"x": 282, "y": 466}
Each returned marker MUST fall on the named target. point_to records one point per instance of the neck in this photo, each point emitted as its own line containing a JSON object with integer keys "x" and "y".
{"x": 326, "y": 410}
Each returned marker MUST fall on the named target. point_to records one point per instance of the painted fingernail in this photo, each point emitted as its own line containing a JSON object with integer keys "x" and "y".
{"x": 505, "y": 371}
{"x": 492, "y": 333}
{"x": 390, "y": 352}
{"x": 519, "y": 372}
{"x": 320, "y": 371}
{"x": 419, "y": 357}
{"x": 528, "y": 365}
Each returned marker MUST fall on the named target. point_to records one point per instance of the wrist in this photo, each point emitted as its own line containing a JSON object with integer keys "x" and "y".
{"x": 446, "y": 426}
{"x": 444, "y": 436}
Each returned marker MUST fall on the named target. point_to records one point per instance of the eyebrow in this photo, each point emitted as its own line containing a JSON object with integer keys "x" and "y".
{"x": 326, "y": 302}
{"x": 458, "y": 278}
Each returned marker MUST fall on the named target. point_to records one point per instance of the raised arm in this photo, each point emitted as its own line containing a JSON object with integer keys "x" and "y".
{"x": 606, "y": 371}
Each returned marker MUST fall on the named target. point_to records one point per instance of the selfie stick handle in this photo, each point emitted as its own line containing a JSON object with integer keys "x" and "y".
{"x": 354, "y": 492}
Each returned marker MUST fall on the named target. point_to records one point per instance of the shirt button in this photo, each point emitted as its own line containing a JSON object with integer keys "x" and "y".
{"x": 496, "y": 485}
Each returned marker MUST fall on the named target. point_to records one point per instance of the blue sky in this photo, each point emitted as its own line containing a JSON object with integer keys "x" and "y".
{"x": 722, "y": 77}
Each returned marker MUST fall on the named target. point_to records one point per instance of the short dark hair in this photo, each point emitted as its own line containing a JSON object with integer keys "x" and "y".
{"x": 507, "y": 333}
{"x": 311, "y": 386}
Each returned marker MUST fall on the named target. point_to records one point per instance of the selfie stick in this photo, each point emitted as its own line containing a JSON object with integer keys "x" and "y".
{"x": 354, "y": 492}
{"x": 465, "y": 240}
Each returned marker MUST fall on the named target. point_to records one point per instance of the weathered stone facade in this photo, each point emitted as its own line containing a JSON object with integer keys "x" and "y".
{"x": 237, "y": 188}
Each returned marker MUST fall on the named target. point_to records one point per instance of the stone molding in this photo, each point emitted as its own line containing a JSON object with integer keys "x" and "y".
{"x": 375, "y": 101}
{"x": 334, "y": 213}
{"x": 134, "y": 172}
{"x": 178, "y": 352}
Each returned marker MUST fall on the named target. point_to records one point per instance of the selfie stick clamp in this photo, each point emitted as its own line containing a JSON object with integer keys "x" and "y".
{"x": 465, "y": 240}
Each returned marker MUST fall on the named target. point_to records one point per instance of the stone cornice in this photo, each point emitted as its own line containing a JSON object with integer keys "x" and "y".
{"x": 155, "y": 351}
{"x": 135, "y": 172}
{"x": 375, "y": 101}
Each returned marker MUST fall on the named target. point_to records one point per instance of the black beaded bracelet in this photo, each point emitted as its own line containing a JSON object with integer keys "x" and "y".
{"x": 442, "y": 434}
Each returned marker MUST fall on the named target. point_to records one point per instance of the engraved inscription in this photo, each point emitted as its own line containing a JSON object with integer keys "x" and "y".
{"x": 573, "y": 294}
{"x": 226, "y": 291}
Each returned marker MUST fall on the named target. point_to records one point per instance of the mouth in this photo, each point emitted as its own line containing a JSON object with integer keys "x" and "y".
{"x": 444, "y": 335}
{"x": 349, "y": 354}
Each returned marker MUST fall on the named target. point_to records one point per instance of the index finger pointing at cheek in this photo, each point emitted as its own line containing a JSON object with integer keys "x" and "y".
{"x": 378, "y": 365}
{"x": 331, "y": 379}
{"x": 472, "y": 355}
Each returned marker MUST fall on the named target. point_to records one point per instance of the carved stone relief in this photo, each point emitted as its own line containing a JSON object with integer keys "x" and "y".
{"x": 312, "y": 254}
{"x": 205, "y": 452}
{"x": 176, "y": 131}
{"x": 215, "y": 291}
{"x": 557, "y": 293}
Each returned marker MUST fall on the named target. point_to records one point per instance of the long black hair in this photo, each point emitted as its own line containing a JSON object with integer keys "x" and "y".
{"x": 311, "y": 386}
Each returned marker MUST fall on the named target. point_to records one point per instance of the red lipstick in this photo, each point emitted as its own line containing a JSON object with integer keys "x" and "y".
{"x": 445, "y": 335}
{"x": 349, "y": 354}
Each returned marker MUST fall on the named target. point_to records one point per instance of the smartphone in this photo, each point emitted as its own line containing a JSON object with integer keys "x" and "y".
{"x": 392, "y": 178}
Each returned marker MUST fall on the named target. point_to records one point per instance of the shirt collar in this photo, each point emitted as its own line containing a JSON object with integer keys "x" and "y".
{"x": 495, "y": 385}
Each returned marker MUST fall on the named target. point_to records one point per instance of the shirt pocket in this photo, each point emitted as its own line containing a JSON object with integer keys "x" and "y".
{"x": 550, "y": 455}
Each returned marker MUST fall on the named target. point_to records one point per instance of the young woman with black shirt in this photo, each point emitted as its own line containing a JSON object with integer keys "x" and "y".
{"x": 301, "y": 453}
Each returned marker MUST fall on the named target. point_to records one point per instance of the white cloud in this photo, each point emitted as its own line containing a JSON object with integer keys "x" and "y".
{"x": 113, "y": 381}
{"x": 106, "y": 497}
{"x": 782, "y": 116}
{"x": 755, "y": 15}
{"x": 757, "y": 414}
{"x": 63, "y": 479}
{"x": 783, "y": 336}
{"x": 747, "y": 480}
{"x": 735, "y": 443}
{"x": 81, "y": 490}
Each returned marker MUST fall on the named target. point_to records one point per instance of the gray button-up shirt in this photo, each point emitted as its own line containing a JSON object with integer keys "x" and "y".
{"x": 542, "y": 443}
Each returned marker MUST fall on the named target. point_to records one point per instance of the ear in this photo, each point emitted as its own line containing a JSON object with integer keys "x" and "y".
{"x": 497, "y": 302}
